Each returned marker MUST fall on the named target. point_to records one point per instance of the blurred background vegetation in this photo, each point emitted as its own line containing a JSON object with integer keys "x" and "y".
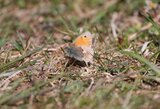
{"x": 125, "y": 73}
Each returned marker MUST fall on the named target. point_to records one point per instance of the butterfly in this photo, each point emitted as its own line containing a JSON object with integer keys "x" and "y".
{"x": 81, "y": 50}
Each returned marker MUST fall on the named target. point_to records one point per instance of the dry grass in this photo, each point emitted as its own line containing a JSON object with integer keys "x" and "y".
{"x": 33, "y": 72}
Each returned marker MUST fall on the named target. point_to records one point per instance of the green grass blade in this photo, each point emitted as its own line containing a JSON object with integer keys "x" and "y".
{"x": 11, "y": 64}
{"x": 143, "y": 60}
{"x": 150, "y": 19}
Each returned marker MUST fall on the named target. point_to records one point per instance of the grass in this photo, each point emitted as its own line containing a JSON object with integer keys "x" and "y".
{"x": 144, "y": 61}
{"x": 121, "y": 76}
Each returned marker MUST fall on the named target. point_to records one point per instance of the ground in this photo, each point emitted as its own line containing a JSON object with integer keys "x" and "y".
{"x": 125, "y": 72}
